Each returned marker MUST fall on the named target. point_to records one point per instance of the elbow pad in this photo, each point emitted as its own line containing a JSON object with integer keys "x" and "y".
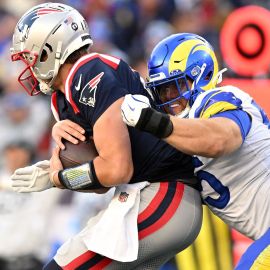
{"x": 154, "y": 122}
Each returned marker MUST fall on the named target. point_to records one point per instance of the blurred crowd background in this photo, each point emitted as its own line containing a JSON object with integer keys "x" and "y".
{"x": 32, "y": 226}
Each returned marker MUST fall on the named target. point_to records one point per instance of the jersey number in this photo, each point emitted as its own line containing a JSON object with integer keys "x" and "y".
{"x": 223, "y": 191}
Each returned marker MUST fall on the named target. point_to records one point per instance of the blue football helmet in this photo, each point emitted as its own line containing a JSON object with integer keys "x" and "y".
{"x": 186, "y": 60}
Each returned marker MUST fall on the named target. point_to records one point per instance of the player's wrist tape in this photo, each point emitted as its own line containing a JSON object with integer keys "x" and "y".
{"x": 154, "y": 122}
{"x": 82, "y": 177}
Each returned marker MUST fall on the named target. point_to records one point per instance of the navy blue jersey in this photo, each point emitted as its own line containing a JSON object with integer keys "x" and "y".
{"x": 93, "y": 84}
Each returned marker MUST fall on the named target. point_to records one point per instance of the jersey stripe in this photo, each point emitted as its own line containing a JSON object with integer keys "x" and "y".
{"x": 79, "y": 260}
{"x": 95, "y": 263}
{"x": 257, "y": 255}
{"x": 216, "y": 108}
{"x": 152, "y": 207}
{"x": 103, "y": 263}
{"x": 88, "y": 260}
{"x": 109, "y": 60}
{"x": 164, "y": 212}
{"x": 54, "y": 107}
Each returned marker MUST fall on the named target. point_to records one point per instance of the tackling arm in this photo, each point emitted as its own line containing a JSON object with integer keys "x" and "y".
{"x": 212, "y": 137}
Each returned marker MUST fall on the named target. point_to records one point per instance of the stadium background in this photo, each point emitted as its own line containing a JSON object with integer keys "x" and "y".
{"x": 239, "y": 32}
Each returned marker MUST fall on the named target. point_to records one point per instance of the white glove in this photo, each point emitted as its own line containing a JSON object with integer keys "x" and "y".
{"x": 32, "y": 178}
{"x": 131, "y": 108}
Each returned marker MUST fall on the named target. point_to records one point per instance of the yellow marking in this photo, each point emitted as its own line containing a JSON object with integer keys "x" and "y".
{"x": 221, "y": 106}
{"x": 263, "y": 260}
{"x": 181, "y": 53}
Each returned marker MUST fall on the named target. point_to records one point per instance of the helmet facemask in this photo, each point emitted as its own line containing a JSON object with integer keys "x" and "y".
{"x": 172, "y": 94}
{"x": 27, "y": 78}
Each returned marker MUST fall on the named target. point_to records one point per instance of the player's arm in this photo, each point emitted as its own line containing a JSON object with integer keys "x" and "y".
{"x": 212, "y": 137}
{"x": 221, "y": 134}
{"x": 113, "y": 166}
{"x": 99, "y": 105}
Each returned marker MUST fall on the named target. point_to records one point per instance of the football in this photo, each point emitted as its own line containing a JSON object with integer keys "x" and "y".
{"x": 77, "y": 154}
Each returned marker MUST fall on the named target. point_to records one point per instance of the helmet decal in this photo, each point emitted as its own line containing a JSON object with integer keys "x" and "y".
{"x": 30, "y": 18}
{"x": 178, "y": 60}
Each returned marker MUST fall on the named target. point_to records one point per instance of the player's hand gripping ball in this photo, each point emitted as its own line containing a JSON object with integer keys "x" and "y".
{"x": 77, "y": 154}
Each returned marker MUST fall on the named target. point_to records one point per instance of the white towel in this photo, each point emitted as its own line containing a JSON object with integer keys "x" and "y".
{"x": 113, "y": 233}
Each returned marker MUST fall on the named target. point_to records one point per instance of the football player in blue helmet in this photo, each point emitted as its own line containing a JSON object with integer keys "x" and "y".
{"x": 180, "y": 67}
{"x": 221, "y": 127}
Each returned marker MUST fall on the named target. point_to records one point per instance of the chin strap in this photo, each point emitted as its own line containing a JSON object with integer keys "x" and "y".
{"x": 45, "y": 88}
{"x": 218, "y": 77}
{"x": 202, "y": 69}
{"x": 184, "y": 113}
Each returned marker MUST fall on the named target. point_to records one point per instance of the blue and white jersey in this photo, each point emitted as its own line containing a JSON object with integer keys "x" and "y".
{"x": 236, "y": 187}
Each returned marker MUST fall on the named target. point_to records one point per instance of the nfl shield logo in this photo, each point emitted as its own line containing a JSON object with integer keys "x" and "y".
{"x": 123, "y": 196}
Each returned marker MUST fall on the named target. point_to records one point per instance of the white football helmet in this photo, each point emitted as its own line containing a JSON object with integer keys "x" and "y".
{"x": 43, "y": 39}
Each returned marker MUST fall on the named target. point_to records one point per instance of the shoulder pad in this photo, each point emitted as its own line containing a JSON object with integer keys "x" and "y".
{"x": 86, "y": 72}
{"x": 215, "y": 102}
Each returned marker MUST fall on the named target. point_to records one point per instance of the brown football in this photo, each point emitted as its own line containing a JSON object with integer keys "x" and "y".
{"x": 77, "y": 154}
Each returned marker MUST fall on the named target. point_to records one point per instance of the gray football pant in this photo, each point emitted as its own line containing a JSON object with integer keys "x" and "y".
{"x": 170, "y": 217}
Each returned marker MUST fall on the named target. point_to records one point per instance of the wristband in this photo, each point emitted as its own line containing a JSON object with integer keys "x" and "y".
{"x": 154, "y": 122}
{"x": 82, "y": 177}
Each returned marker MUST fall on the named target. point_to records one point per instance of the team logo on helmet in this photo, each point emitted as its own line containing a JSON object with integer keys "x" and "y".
{"x": 195, "y": 71}
{"x": 34, "y": 15}
{"x": 88, "y": 94}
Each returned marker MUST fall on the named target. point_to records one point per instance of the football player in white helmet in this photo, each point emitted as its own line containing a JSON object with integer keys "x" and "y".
{"x": 222, "y": 127}
{"x": 145, "y": 225}
{"x": 43, "y": 39}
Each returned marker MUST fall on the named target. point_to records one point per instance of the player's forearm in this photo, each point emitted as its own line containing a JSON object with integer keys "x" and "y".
{"x": 113, "y": 172}
{"x": 205, "y": 137}
{"x": 54, "y": 178}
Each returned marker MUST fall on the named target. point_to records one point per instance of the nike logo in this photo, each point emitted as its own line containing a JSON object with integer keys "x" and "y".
{"x": 131, "y": 107}
{"x": 78, "y": 86}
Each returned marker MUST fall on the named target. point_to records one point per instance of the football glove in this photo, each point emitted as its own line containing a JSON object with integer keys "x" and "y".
{"x": 33, "y": 178}
{"x": 131, "y": 108}
{"x": 137, "y": 112}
